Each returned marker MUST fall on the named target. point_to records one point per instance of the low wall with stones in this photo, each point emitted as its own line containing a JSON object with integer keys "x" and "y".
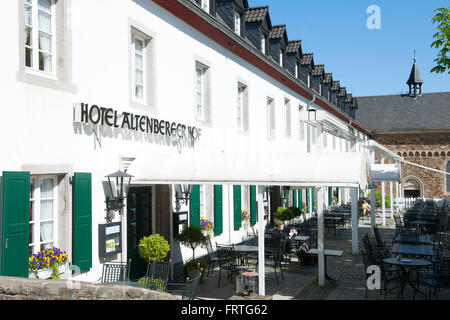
{"x": 12, "y": 288}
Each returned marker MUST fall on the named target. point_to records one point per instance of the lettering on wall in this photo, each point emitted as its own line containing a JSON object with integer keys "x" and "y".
{"x": 93, "y": 114}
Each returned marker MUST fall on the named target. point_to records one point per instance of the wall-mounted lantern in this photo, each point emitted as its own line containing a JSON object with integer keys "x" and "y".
{"x": 182, "y": 194}
{"x": 118, "y": 185}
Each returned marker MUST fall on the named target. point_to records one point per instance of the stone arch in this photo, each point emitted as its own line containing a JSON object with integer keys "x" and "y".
{"x": 448, "y": 154}
{"x": 430, "y": 154}
{"x": 399, "y": 154}
{"x": 412, "y": 187}
{"x": 405, "y": 154}
{"x": 417, "y": 154}
{"x": 436, "y": 154}
{"x": 411, "y": 154}
{"x": 443, "y": 154}
{"x": 423, "y": 154}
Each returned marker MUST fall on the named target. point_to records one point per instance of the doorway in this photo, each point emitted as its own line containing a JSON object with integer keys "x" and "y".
{"x": 411, "y": 188}
{"x": 139, "y": 225}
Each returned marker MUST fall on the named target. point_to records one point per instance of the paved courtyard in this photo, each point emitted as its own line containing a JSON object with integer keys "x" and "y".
{"x": 300, "y": 281}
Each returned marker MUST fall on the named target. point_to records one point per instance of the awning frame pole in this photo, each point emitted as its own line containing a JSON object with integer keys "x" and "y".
{"x": 261, "y": 227}
{"x": 320, "y": 237}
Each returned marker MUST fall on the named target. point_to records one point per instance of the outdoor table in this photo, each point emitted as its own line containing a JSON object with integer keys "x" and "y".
{"x": 302, "y": 238}
{"x": 407, "y": 266}
{"x": 333, "y": 253}
{"x": 423, "y": 239}
{"x": 243, "y": 249}
{"x": 412, "y": 249}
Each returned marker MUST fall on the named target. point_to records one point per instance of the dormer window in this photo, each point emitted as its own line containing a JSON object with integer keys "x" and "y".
{"x": 309, "y": 79}
{"x": 297, "y": 67}
{"x": 237, "y": 23}
{"x": 282, "y": 57}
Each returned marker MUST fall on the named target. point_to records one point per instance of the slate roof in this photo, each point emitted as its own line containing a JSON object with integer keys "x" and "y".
{"x": 318, "y": 70}
{"x": 328, "y": 77}
{"x": 256, "y": 13}
{"x": 294, "y": 46}
{"x": 342, "y": 91}
{"x": 336, "y": 85}
{"x": 348, "y": 97}
{"x": 431, "y": 111}
{"x": 277, "y": 31}
{"x": 307, "y": 58}
{"x": 415, "y": 77}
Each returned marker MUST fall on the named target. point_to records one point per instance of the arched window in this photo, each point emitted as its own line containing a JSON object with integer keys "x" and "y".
{"x": 448, "y": 154}
{"x": 411, "y": 154}
{"x": 417, "y": 154}
{"x": 423, "y": 154}
{"x": 436, "y": 154}
{"x": 411, "y": 188}
{"x": 443, "y": 154}
{"x": 399, "y": 154}
{"x": 405, "y": 154}
{"x": 430, "y": 154}
{"x": 447, "y": 177}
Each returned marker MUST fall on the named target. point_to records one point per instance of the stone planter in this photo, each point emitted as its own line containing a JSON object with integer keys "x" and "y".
{"x": 46, "y": 273}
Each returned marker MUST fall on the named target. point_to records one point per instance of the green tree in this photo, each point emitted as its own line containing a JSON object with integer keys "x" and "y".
{"x": 442, "y": 40}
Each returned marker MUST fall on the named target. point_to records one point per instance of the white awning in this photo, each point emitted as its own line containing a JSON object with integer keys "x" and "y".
{"x": 385, "y": 172}
{"x": 290, "y": 169}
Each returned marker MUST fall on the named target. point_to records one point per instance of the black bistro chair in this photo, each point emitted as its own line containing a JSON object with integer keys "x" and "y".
{"x": 157, "y": 275}
{"x": 187, "y": 290}
{"x": 115, "y": 272}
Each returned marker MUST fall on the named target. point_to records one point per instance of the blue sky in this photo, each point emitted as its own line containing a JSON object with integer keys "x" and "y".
{"x": 367, "y": 62}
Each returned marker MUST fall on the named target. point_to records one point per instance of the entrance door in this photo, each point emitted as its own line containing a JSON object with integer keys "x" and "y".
{"x": 139, "y": 225}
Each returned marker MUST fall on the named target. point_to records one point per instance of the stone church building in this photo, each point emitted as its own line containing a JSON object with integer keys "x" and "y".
{"x": 416, "y": 126}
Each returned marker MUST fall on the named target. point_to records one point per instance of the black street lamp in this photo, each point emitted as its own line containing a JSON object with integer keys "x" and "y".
{"x": 182, "y": 194}
{"x": 119, "y": 183}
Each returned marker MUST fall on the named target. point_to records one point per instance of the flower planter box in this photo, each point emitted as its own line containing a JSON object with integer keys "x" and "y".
{"x": 45, "y": 273}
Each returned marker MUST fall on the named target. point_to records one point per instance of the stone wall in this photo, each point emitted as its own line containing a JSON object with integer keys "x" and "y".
{"x": 12, "y": 288}
{"x": 427, "y": 149}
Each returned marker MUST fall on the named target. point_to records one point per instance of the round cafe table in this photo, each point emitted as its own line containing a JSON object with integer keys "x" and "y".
{"x": 407, "y": 266}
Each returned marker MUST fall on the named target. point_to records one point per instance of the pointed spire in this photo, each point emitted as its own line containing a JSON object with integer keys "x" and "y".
{"x": 415, "y": 80}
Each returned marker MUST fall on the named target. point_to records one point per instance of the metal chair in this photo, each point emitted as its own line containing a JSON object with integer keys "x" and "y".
{"x": 157, "y": 275}
{"x": 211, "y": 258}
{"x": 227, "y": 261}
{"x": 187, "y": 290}
{"x": 440, "y": 280}
{"x": 116, "y": 272}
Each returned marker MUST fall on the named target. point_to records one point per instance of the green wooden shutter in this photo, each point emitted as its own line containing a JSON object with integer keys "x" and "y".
{"x": 307, "y": 199}
{"x": 253, "y": 206}
{"x": 300, "y": 199}
{"x": 312, "y": 199}
{"x": 286, "y": 196}
{"x": 15, "y": 224}
{"x": 295, "y": 198}
{"x": 337, "y": 194}
{"x": 218, "y": 209}
{"x": 82, "y": 221}
{"x": 194, "y": 207}
{"x": 237, "y": 206}
{"x": 330, "y": 196}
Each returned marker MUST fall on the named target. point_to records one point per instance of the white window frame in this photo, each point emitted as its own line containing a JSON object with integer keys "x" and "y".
{"x": 287, "y": 117}
{"x": 313, "y": 135}
{"x": 237, "y": 23}
{"x": 35, "y": 224}
{"x": 135, "y": 36}
{"x": 241, "y": 104}
{"x": 270, "y": 112}
{"x": 309, "y": 80}
{"x": 205, "y": 5}
{"x": 34, "y": 68}
{"x": 263, "y": 43}
{"x": 200, "y": 102}
{"x": 296, "y": 69}
{"x": 302, "y": 130}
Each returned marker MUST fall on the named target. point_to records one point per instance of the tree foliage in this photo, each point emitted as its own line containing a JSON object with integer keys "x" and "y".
{"x": 153, "y": 247}
{"x": 192, "y": 237}
{"x": 442, "y": 40}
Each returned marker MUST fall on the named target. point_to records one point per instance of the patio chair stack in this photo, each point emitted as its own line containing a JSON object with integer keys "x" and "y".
{"x": 440, "y": 279}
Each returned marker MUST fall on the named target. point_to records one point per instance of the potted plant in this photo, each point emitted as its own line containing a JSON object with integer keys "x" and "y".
{"x": 47, "y": 263}
{"x": 153, "y": 248}
{"x": 192, "y": 237}
{"x": 207, "y": 225}
{"x": 245, "y": 217}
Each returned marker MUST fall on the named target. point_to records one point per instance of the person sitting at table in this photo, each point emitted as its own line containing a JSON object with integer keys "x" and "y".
{"x": 289, "y": 234}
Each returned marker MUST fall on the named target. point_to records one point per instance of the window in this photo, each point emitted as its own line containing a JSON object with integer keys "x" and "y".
{"x": 282, "y": 58}
{"x": 205, "y": 5}
{"x": 40, "y": 35}
{"x": 263, "y": 43}
{"x": 202, "y": 201}
{"x": 287, "y": 117}
{"x": 309, "y": 80}
{"x": 200, "y": 92}
{"x": 296, "y": 69}
{"x": 43, "y": 212}
{"x": 270, "y": 118}
{"x": 237, "y": 23}
{"x": 302, "y": 131}
{"x": 242, "y": 107}
{"x": 139, "y": 83}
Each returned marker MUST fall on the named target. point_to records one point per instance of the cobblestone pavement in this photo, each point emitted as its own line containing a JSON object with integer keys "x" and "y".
{"x": 300, "y": 281}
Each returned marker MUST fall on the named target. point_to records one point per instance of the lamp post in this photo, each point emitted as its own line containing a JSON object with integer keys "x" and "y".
{"x": 119, "y": 183}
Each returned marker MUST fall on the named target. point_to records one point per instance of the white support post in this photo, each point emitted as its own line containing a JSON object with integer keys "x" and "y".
{"x": 392, "y": 199}
{"x": 320, "y": 237}
{"x": 383, "y": 198}
{"x": 373, "y": 208}
{"x": 354, "y": 206}
{"x": 261, "y": 227}
{"x": 397, "y": 199}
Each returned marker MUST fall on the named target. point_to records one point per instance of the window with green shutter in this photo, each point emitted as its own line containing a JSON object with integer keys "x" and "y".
{"x": 307, "y": 199}
{"x": 295, "y": 198}
{"x": 237, "y": 206}
{"x": 312, "y": 199}
{"x": 82, "y": 221}
{"x": 300, "y": 199}
{"x": 330, "y": 196}
{"x": 218, "y": 209}
{"x": 194, "y": 206}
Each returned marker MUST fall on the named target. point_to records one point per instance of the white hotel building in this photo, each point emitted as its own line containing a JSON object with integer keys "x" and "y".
{"x": 91, "y": 87}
